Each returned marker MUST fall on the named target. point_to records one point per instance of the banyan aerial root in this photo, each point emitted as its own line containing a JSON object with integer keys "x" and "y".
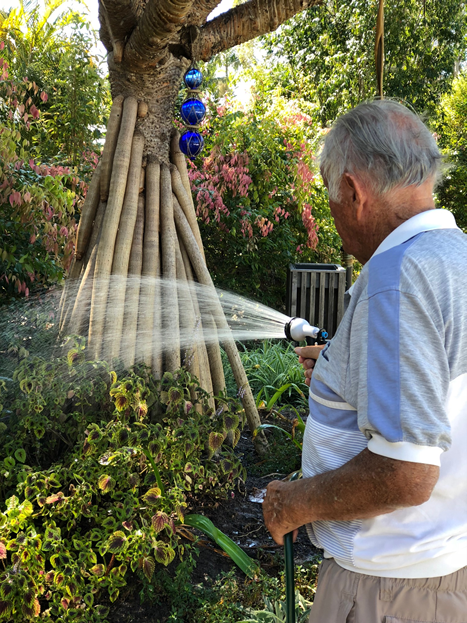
{"x": 138, "y": 240}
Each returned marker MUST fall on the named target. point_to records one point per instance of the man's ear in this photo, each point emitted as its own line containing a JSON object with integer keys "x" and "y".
{"x": 354, "y": 192}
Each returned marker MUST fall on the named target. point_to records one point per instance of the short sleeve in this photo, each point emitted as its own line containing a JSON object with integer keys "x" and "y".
{"x": 400, "y": 364}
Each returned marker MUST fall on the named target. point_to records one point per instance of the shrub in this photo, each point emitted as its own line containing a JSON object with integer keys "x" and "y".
{"x": 37, "y": 200}
{"x": 269, "y": 366}
{"x": 98, "y": 472}
{"x": 257, "y": 198}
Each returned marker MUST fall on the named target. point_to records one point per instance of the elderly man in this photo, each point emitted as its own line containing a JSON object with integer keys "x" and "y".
{"x": 384, "y": 488}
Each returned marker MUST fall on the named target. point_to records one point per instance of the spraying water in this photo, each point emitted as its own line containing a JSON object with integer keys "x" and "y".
{"x": 197, "y": 304}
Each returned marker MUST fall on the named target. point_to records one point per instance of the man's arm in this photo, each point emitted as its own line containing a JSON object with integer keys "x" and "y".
{"x": 367, "y": 486}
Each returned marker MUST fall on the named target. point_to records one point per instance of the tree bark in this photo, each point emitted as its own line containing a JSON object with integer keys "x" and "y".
{"x": 245, "y": 22}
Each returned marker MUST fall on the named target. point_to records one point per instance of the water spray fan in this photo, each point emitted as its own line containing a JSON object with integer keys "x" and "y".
{"x": 298, "y": 329}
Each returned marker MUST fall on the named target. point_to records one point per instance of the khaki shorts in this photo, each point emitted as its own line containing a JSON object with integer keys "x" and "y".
{"x": 347, "y": 597}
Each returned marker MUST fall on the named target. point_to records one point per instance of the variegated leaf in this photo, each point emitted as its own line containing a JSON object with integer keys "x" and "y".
{"x": 148, "y": 567}
{"x": 151, "y": 496}
{"x": 116, "y": 542}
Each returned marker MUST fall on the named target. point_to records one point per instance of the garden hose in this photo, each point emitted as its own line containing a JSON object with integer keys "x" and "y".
{"x": 289, "y": 578}
{"x": 289, "y": 572}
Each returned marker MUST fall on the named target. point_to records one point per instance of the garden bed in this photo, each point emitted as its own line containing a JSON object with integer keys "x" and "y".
{"x": 242, "y": 520}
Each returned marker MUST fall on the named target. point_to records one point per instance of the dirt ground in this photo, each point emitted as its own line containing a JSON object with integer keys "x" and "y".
{"x": 242, "y": 520}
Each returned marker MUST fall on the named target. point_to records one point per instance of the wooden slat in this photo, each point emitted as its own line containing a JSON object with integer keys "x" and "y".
{"x": 340, "y": 298}
{"x": 329, "y": 324}
{"x": 305, "y": 278}
{"x": 312, "y": 296}
{"x": 322, "y": 293}
{"x": 293, "y": 294}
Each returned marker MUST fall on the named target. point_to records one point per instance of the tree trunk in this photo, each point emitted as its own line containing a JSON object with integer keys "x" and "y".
{"x": 143, "y": 244}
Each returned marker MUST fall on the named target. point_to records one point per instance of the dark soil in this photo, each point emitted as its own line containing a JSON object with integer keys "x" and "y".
{"x": 242, "y": 520}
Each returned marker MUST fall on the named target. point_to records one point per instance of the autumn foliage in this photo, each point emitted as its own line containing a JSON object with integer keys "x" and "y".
{"x": 37, "y": 199}
{"x": 257, "y": 194}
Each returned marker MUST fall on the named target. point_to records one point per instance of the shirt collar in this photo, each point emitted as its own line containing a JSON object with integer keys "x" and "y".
{"x": 424, "y": 221}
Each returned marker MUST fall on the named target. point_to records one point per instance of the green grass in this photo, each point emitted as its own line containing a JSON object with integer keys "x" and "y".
{"x": 269, "y": 366}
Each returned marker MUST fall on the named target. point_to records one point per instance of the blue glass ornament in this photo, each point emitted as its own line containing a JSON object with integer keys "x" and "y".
{"x": 193, "y": 78}
{"x": 191, "y": 144}
{"x": 192, "y": 111}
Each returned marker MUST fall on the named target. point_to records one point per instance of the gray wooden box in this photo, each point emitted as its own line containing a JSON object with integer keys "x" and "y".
{"x": 315, "y": 292}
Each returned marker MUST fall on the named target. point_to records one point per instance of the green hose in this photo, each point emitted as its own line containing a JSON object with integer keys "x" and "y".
{"x": 289, "y": 572}
{"x": 289, "y": 578}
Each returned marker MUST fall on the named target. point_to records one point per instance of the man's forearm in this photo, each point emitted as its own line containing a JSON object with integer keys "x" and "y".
{"x": 367, "y": 486}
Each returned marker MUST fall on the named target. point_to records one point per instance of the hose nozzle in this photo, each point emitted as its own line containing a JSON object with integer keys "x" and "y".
{"x": 298, "y": 329}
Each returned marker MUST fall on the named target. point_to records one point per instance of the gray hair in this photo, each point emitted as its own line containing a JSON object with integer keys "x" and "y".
{"x": 383, "y": 142}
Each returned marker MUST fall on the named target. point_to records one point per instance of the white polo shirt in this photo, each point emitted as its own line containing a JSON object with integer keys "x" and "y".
{"x": 394, "y": 380}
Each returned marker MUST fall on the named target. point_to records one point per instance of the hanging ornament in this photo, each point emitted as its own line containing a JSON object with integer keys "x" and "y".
{"x": 191, "y": 144}
{"x": 192, "y": 112}
{"x": 193, "y": 78}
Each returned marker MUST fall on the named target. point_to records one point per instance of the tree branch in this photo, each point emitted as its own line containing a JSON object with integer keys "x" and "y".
{"x": 200, "y": 11}
{"x": 245, "y": 22}
{"x": 117, "y": 21}
{"x": 161, "y": 19}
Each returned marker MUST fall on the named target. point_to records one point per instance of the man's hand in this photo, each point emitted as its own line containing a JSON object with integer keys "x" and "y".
{"x": 277, "y": 510}
{"x": 307, "y": 356}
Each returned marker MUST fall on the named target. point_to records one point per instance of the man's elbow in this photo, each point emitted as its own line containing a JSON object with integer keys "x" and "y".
{"x": 414, "y": 483}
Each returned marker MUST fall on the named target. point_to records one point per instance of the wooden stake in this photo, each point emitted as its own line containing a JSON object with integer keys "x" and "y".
{"x": 213, "y": 348}
{"x": 71, "y": 285}
{"x": 130, "y": 322}
{"x": 83, "y": 296}
{"x": 170, "y": 319}
{"x": 148, "y": 333}
{"x": 178, "y": 159}
{"x": 88, "y": 214}
{"x": 123, "y": 246}
{"x": 204, "y": 278}
{"x": 96, "y": 230}
{"x": 105, "y": 251}
{"x": 214, "y": 355}
{"x": 186, "y": 204}
{"x": 188, "y": 319}
{"x": 111, "y": 137}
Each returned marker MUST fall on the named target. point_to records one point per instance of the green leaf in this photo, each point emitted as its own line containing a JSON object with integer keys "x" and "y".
{"x": 264, "y": 426}
{"x": 277, "y": 395}
{"x": 9, "y": 462}
{"x": 242, "y": 560}
{"x": 152, "y": 496}
{"x": 106, "y": 483}
{"x": 156, "y": 471}
{"x": 98, "y": 570}
{"x": 163, "y": 553}
{"x": 20, "y": 455}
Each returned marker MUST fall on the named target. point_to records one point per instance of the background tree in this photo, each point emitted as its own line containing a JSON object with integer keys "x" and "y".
{"x": 326, "y": 54}
{"x": 48, "y": 44}
{"x": 258, "y": 195}
{"x": 451, "y": 126}
{"x": 53, "y": 102}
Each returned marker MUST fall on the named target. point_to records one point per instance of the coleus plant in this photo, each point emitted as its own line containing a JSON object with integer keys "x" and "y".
{"x": 111, "y": 497}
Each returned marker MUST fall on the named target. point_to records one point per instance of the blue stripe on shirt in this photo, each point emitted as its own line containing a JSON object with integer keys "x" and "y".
{"x": 383, "y": 358}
